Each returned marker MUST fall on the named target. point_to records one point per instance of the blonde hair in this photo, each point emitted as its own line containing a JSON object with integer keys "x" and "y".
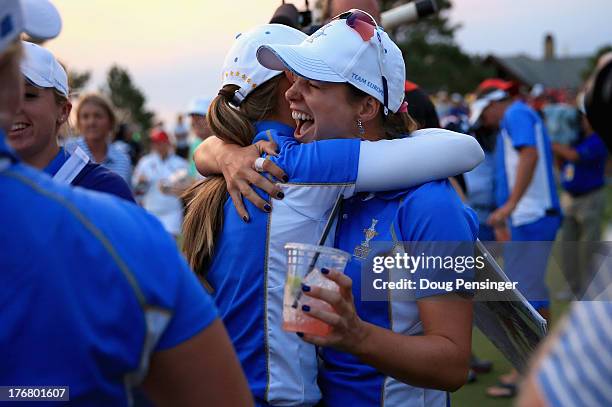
{"x": 100, "y": 101}
{"x": 205, "y": 200}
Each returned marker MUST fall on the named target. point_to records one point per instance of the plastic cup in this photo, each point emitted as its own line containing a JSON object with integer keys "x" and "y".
{"x": 304, "y": 262}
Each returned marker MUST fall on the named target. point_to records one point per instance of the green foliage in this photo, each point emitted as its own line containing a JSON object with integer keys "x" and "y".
{"x": 127, "y": 98}
{"x": 433, "y": 58}
{"x": 78, "y": 80}
{"x": 593, "y": 60}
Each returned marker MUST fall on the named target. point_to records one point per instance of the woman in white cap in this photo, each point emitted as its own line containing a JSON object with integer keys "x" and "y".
{"x": 96, "y": 300}
{"x": 399, "y": 349}
{"x": 45, "y": 109}
{"x": 244, "y": 265}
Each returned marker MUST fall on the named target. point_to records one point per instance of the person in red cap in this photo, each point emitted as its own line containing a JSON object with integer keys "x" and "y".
{"x": 159, "y": 178}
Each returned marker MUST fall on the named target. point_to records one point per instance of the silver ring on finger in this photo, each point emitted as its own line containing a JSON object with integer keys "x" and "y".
{"x": 259, "y": 163}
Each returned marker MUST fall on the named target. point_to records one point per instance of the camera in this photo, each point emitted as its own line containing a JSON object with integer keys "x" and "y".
{"x": 413, "y": 11}
{"x": 288, "y": 14}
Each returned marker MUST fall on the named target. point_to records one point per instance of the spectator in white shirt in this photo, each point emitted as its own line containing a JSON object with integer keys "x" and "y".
{"x": 159, "y": 178}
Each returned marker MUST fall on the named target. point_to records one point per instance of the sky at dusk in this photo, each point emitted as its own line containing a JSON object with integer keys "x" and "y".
{"x": 174, "y": 49}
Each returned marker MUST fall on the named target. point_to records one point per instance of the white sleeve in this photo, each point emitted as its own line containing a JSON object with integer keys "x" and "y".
{"x": 426, "y": 155}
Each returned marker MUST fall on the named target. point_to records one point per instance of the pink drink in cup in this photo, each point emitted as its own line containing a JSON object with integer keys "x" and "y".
{"x": 304, "y": 262}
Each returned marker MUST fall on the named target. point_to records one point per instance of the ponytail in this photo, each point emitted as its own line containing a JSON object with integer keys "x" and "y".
{"x": 205, "y": 200}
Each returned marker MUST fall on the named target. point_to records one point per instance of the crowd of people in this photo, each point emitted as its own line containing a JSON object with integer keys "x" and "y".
{"x": 96, "y": 295}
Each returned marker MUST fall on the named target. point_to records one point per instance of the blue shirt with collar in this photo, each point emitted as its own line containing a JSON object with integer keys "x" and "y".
{"x": 248, "y": 270}
{"x": 588, "y": 172}
{"x": 90, "y": 287}
{"x": 93, "y": 176}
{"x": 428, "y": 213}
{"x": 522, "y": 127}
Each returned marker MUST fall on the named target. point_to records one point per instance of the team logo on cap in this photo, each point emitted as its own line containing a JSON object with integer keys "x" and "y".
{"x": 363, "y": 249}
{"x": 320, "y": 32}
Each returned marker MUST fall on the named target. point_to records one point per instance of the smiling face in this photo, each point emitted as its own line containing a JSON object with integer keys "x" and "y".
{"x": 94, "y": 122}
{"x": 322, "y": 110}
{"x": 37, "y": 122}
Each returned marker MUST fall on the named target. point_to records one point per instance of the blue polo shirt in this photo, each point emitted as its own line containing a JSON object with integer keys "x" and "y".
{"x": 93, "y": 176}
{"x": 90, "y": 287}
{"x": 248, "y": 270}
{"x": 586, "y": 174}
{"x": 522, "y": 127}
{"x": 431, "y": 212}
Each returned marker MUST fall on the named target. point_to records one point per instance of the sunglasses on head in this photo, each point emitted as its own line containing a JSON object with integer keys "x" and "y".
{"x": 365, "y": 25}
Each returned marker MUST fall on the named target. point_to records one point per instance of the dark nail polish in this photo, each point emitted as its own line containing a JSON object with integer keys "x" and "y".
{"x": 305, "y": 308}
{"x": 305, "y": 288}
{"x": 285, "y": 178}
{"x": 246, "y": 219}
{"x": 324, "y": 271}
{"x": 267, "y": 208}
{"x": 300, "y": 334}
{"x": 280, "y": 195}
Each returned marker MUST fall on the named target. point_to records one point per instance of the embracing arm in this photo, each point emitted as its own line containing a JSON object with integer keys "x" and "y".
{"x": 426, "y": 155}
{"x": 214, "y": 156}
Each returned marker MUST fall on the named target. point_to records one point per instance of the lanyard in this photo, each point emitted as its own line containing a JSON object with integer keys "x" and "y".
{"x": 72, "y": 167}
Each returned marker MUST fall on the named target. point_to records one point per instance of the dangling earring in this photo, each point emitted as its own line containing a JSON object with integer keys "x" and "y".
{"x": 360, "y": 128}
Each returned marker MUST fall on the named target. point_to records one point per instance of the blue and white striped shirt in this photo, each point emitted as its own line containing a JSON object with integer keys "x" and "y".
{"x": 578, "y": 369}
{"x": 116, "y": 160}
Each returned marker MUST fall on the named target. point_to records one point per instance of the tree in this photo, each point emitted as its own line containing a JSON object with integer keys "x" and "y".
{"x": 127, "y": 98}
{"x": 78, "y": 80}
{"x": 433, "y": 59}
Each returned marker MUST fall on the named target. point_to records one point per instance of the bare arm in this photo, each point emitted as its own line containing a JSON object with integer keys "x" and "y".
{"x": 564, "y": 152}
{"x": 437, "y": 359}
{"x": 528, "y": 159}
{"x": 201, "y": 371}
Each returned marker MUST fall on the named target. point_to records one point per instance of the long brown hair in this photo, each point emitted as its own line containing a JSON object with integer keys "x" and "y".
{"x": 205, "y": 199}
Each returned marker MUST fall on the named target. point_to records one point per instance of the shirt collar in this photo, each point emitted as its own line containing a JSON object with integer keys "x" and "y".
{"x": 53, "y": 167}
{"x": 282, "y": 128}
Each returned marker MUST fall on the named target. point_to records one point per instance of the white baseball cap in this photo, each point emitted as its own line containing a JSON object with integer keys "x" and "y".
{"x": 241, "y": 68}
{"x": 37, "y": 18}
{"x": 339, "y": 53}
{"x": 480, "y": 104}
{"x": 199, "y": 106}
{"x": 42, "y": 69}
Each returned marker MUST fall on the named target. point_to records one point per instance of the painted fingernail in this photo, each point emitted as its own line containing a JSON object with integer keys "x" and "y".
{"x": 305, "y": 308}
{"x": 305, "y": 288}
{"x": 245, "y": 218}
{"x": 300, "y": 334}
{"x": 267, "y": 208}
{"x": 280, "y": 195}
{"x": 285, "y": 178}
{"x": 324, "y": 271}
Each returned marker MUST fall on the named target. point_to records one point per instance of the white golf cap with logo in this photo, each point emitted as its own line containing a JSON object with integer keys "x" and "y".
{"x": 42, "y": 70}
{"x": 241, "y": 68}
{"x": 37, "y": 18}
{"x": 338, "y": 53}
